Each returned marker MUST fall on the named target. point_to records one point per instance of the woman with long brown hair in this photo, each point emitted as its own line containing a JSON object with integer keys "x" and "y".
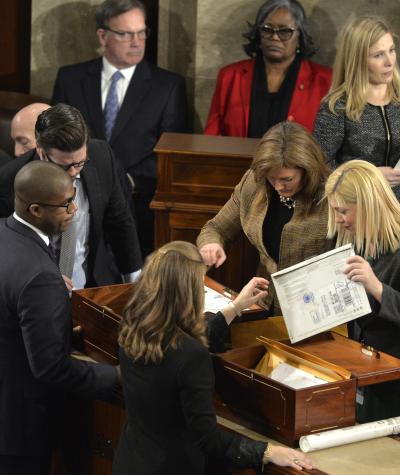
{"x": 168, "y": 377}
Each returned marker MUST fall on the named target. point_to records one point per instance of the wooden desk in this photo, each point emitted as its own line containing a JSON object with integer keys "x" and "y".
{"x": 196, "y": 177}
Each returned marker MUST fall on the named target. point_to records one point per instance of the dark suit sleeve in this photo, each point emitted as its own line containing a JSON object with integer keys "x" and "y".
{"x": 196, "y": 385}
{"x": 59, "y": 94}
{"x": 44, "y": 317}
{"x": 7, "y": 175}
{"x": 175, "y": 115}
{"x": 120, "y": 227}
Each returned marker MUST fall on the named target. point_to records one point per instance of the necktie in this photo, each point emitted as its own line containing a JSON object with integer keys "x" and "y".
{"x": 111, "y": 106}
{"x": 69, "y": 238}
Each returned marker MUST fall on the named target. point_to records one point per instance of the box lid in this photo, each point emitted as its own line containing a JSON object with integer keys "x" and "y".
{"x": 377, "y": 367}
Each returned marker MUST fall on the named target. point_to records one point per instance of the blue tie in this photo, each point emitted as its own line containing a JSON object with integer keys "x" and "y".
{"x": 111, "y": 106}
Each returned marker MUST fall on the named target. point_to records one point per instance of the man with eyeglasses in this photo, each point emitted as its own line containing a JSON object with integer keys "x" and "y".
{"x": 36, "y": 369}
{"x": 103, "y": 219}
{"x": 126, "y": 100}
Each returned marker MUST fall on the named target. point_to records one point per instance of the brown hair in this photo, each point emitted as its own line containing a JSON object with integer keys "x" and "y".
{"x": 290, "y": 145}
{"x": 168, "y": 302}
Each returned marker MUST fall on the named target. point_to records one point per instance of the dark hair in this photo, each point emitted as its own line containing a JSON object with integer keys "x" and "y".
{"x": 111, "y": 8}
{"x": 307, "y": 48}
{"x": 61, "y": 127}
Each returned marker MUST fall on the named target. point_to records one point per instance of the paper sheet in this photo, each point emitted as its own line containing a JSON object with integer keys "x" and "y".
{"x": 315, "y": 295}
{"x": 348, "y": 435}
{"x": 294, "y": 377}
{"x": 214, "y": 301}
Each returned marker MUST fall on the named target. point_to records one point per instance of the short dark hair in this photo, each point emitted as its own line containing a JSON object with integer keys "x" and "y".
{"x": 307, "y": 48}
{"x": 61, "y": 127}
{"x": 111, "y": 8}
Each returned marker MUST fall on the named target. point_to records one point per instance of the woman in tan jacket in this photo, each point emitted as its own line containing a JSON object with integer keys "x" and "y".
{"x": 276, "y": 204}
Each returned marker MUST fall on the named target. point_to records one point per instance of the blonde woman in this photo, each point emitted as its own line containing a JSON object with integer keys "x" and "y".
{"x": 364, "y": 211}
{"x": 277, "y": 204}
{"x": 168, "y": 378}
{"x": 360, "y": 117}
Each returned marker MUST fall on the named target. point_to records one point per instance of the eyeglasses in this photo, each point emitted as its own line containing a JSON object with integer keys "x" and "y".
{"x": 127, "y": 36}
{"x": 76, "y": 165}
{"x": 69, "y": 205}
{"x": 284, "y": 34}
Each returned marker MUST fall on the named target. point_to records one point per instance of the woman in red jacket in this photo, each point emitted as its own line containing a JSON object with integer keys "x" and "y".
{"x": 278, "y": 83}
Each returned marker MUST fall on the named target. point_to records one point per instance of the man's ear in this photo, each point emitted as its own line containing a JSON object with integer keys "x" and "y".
{"x": 101, "y": 36}
{"x": 35, "y": 211}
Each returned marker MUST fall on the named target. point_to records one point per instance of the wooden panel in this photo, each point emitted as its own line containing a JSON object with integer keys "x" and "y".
{"x": 196, "y": 176}
{"x": 15, "y": 27}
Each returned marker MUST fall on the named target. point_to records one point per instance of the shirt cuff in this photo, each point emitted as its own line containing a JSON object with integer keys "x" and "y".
{"x": 132, "y": 277}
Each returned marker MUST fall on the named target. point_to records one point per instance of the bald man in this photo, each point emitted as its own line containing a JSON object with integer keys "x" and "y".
{"x": 36, "y": 369}
{"x": 23, "y": 127}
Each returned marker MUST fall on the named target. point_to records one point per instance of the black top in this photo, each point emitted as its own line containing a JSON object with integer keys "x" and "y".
{"x": 277, "y": 216}
{"x": 267, "y": 108}
{"x": 172, "y": 427}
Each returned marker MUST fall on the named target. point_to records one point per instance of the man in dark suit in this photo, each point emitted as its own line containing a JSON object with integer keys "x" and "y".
{"x": 127, "y": 100}
{"x": 103, "y": 216}
{"x": 35, "y": 324}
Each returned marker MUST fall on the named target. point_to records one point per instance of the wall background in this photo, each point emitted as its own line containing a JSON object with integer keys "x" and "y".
{"x": 196, "y": 37}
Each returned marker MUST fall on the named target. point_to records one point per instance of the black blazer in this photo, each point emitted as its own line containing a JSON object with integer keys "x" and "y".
{"x": 172, "y": 428}
{"x": 35, "y": 329}
{"x": 110, "y": 219}
{"x": 155, "y": 102}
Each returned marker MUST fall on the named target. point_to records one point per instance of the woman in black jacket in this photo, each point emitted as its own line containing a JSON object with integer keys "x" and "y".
{"x": 168, "y": 377}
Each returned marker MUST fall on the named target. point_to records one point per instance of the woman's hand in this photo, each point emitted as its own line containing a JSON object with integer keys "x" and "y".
{"x": 213, "y": 254}
{"x": 392, "y": 175}
{"x": 359, "y": 270}
{"x": 254, "y": 291}
{"x": 285, "y": 457}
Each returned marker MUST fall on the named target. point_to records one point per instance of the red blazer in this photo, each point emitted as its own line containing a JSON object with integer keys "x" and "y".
{"x": 230, "y": 106}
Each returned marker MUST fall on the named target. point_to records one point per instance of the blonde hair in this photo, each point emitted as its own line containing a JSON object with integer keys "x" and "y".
{"x": 350, "y": 70}
{"x": 377, "y": 227}
{"x": 168, "y": 302}
{"x": 290, "y": 145}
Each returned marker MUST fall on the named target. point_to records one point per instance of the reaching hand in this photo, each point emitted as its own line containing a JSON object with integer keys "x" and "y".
{"x": 68, "y": 283}
{"x": 285, "y": 457}
{"x": 359, "y": 270}
{"x": 213, "y": 254}
{"x": 392, "y": 175}
{"x": 254, "y": 291}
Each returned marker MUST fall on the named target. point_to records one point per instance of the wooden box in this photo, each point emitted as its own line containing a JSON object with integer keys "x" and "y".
{"x": 99, "y": 310}
{"x": 285, "y": 414}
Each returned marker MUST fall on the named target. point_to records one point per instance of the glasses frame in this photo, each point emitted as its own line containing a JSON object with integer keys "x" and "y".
{"x": 68, "y": 209}
{"x": 132, "y": 34}
{"x": 77, "y": 165}
{"x": 265, "y": 32}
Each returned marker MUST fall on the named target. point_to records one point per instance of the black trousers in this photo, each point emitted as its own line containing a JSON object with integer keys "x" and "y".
{"x": 17, "y": 465}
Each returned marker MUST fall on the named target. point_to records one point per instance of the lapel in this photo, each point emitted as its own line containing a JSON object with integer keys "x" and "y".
{"x": 29, "y": 233}
{"x": 91, "y": 183}
{"x": 91, "y": 85}
{"x": 138, "y": 88}
{"x": 246, "y": 79}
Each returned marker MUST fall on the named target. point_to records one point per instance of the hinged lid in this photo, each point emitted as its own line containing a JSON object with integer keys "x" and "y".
{"x": 348, "y": 354}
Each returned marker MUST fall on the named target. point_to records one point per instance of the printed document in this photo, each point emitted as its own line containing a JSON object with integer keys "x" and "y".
{"x": 315, "y": 295}
{"x": 214, "y": 301}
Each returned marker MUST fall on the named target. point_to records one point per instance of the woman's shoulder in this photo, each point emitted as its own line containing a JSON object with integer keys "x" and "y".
{"x": 240, "y": 66}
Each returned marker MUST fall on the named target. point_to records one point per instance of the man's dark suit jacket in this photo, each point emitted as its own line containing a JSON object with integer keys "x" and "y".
{"x": 4, "y": 158}
{"x": 35, "y": 329}
{"x": 109, "y": 216}
{"x": 155, "y": 102}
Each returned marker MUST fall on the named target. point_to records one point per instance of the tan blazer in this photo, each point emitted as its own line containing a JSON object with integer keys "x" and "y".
{"x": 302, "y": 237}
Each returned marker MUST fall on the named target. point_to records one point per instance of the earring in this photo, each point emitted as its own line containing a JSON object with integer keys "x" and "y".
{"x": 298, "y": 50}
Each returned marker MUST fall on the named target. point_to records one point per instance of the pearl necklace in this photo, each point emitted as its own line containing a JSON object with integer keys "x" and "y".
{"x": 288, "y": 202}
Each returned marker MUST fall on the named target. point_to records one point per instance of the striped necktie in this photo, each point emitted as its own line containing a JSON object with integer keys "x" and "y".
{"x": 111, "y": 106}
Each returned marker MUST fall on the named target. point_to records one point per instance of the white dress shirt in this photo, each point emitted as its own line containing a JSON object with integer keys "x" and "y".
{"x": 122, "y": 85}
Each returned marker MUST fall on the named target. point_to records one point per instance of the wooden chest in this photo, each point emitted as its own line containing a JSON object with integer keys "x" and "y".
{"x": 284, "y": 413}
{"x": 99, "y": 310}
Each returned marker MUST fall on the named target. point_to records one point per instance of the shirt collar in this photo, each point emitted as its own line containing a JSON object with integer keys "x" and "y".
{"x": 34, "y": 228}
{"x": 109, "y": 70}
